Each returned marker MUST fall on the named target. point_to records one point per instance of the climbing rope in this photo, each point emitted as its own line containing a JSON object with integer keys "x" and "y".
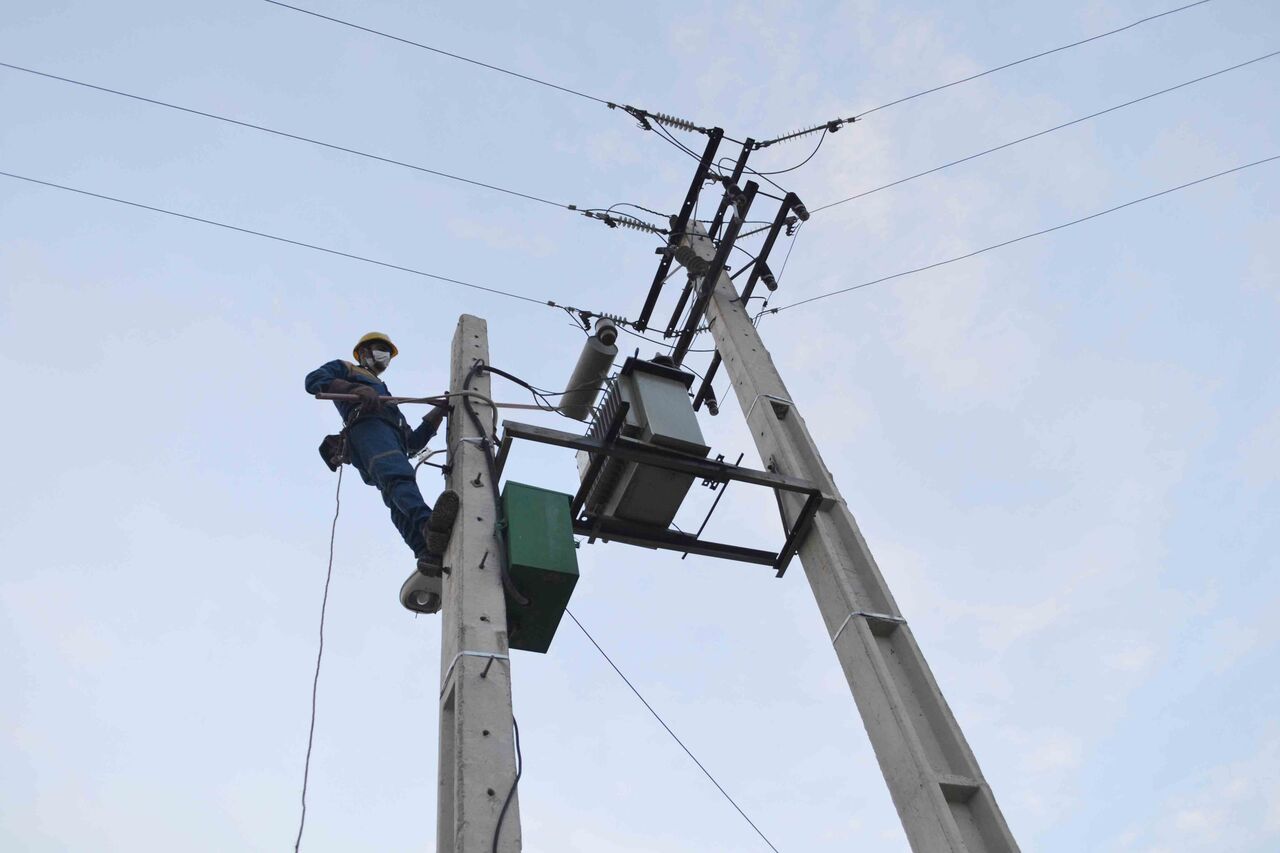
{"x": 315, "y": 681}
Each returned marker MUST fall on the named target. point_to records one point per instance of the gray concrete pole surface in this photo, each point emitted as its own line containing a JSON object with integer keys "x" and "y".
{"x": 477, "y": 748}
{"x": 942, "y": 799}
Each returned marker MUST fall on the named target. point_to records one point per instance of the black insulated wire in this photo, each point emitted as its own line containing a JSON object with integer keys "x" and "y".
{"x": 1001, "y": 245}
{"x": 674, "y": 737}
{"x": 279, "y": 239}
{"x": 1049, "y": 130}
{"x": 440, "y": 51}
{"x": 1042, "y": 53}
{"x": 803, "y": 162}
{"x": 506, "y": 804}
{"x": 286, "y": 135}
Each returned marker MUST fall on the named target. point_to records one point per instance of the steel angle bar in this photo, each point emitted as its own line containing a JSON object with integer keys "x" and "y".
{"x": 724, "y": 487}
{"x": 798, "y": 532}
{"x": 670, "y": 540}
{"x": 789, "y": 203}
{"x": 742, "y": 205}
{"x": 637, "y": 451}
{"x": 712, "y": 232}
{"x": 679, "y": 225}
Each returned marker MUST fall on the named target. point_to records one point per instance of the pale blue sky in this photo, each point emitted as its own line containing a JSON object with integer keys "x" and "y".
{"x": 1064, "y": 454}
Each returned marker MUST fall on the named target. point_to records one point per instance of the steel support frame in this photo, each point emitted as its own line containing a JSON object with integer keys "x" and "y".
{"x": 790, "y": 202}
{"x": 631, "y": 450}
{"x": 678, "y": 226}
{"x": 741, "y": 201}
{"x": 714, "y": 230}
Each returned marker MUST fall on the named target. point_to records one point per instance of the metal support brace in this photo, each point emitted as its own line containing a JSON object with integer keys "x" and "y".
{"x": 707, "y": 284}
{"x": 679, "y": 225}
{"x": 876, "y": 617}
{"x": 444, "y": 682}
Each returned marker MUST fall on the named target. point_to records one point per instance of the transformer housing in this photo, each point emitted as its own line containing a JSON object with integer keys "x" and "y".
{"x": 660, "y": 413}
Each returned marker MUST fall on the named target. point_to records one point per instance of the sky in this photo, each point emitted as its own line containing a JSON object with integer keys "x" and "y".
{"x": 1065, "y": 454}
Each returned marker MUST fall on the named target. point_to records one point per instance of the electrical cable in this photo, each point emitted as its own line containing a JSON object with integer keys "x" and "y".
{"x": 500, "y": 527}
{"x": 539, "y": 394}
{"x": 1039, "y": 233}
{"x": 1074, "y": 121}
{"x": 511, "y": 793}
{"x": 667, "y": 137}
{"x": 669, "y": 346}
{"x": 280, "y": 239}
{"x": 500, "y": 532}
{"x": 638, "y": 207}
{"x": 801, "y": 163}
{"x": 457, "y": 56}
{"x": 674, "y": 737}
{"x": 315, "y": 682}
{"x": 1029, "y": 58}
{"x": 287, "y": 135}
{"x": 764, "y": 175}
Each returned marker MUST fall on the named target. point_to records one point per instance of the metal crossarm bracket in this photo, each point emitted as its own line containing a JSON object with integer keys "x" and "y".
{"x": 712, "y": 232}
{"x": 614, "y": 445}
{"x": 741, "y": 202}
{"x": 678, "y": 226}
{"x": 759, "y": 268}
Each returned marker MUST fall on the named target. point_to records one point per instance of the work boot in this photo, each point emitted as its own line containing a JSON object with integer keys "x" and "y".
{"x": 439, "y": 527}
{"x": 430, "y": 564}
{"x": 421, "y": 593}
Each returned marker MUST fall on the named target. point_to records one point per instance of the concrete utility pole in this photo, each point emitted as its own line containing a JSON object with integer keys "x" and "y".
{"x": 477, "y": 749}
{"x": 942, "y": 799}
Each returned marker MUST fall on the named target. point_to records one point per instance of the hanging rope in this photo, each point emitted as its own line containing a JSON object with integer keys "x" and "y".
{"x": 315, "y": 682}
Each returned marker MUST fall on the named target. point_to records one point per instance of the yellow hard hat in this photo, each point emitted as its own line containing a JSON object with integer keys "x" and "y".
{"x": 373, "y": 336}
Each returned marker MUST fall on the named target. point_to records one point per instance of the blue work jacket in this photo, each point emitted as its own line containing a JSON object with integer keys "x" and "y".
{"x": 318, "y": 380}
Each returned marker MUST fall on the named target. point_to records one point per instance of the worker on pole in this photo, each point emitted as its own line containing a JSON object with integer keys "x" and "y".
{"x": 378, "y": 441}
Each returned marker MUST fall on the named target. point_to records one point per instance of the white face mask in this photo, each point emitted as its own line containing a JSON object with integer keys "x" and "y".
{"x": 377, "y": 360}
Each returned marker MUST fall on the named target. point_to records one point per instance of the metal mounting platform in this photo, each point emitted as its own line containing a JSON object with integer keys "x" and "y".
{"x": 714, "y": 471}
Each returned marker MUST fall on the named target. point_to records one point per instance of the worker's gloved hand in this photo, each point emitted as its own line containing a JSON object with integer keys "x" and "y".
{"x": 370, "y": 401}
{"x": 340, "y": 386}
{"x": 436, "y": 416}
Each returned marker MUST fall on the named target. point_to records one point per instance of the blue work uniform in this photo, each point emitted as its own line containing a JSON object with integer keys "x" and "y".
{"x": 380, "y": 445}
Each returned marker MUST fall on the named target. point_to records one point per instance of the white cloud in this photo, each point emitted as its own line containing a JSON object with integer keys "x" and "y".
{"x": 1231, "y": 807}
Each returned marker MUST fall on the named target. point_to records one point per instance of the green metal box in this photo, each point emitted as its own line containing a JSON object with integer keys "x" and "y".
{"x": 542, "y": 560}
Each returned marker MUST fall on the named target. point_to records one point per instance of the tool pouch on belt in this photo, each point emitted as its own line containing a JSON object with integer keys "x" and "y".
{"x": 334, "y": 450}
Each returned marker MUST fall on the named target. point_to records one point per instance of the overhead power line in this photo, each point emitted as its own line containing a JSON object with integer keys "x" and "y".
{"x": 1039, "y": 55}
{"x": 286, "y": 135}
{"x": 674, "y": 737}
{"x": 280, "y": 239}
{"x": 442, "y": 52}
{"x": 1049, "y": 130}
{"x": 1040, "y": 233}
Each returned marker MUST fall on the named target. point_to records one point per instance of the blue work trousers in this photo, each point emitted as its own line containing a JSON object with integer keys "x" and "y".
{"x": 379, "y": 454}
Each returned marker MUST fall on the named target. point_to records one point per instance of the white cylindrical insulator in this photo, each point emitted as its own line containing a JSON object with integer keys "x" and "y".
{"x": 606, "y": 331}
{"x": 589, "y": 374}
